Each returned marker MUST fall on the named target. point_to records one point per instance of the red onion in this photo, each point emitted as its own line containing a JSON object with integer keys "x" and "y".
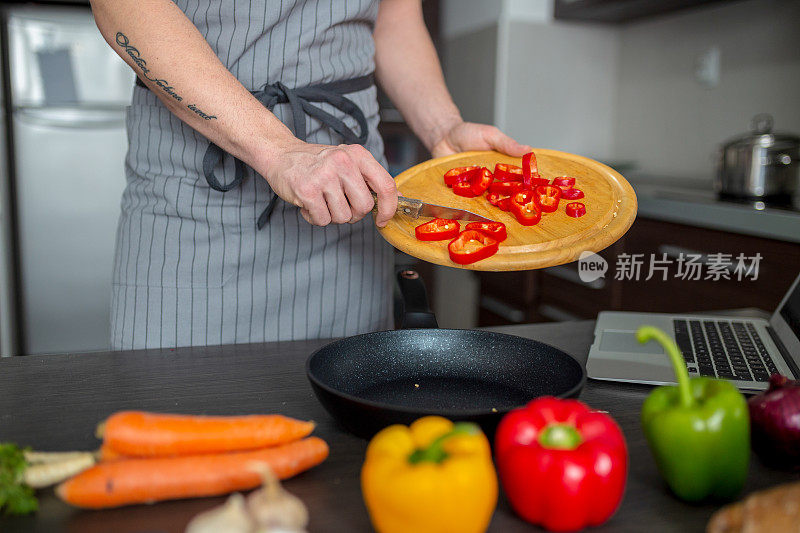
{"x": 775, "y": 422}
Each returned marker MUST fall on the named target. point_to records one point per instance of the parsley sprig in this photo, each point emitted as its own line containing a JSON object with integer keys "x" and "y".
{"x": 16, "y": 498}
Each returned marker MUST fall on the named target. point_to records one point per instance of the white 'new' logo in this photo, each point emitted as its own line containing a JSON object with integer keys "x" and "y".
{"x": 591, "y": 267}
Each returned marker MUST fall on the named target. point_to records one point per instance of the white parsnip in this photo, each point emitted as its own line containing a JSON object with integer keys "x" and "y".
{"x": 49, "y": 468}
{"x": 34, "y": 457}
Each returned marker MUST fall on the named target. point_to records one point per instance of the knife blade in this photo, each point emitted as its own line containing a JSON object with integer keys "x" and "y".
{"x": 413, "y": 208}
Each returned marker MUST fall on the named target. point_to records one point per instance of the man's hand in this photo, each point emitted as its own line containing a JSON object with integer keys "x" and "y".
{"x": 464, "y": 136}
{"x": 331, "y": 183}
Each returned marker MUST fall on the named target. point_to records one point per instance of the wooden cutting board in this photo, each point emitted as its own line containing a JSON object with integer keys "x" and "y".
{"x": 557, "y": 239}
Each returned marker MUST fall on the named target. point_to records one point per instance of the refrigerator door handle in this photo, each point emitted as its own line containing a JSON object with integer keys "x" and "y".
{"x": 80, "y": 118}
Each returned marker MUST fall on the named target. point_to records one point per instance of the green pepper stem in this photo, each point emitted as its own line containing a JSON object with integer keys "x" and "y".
{"x": 646, "y": 333}
{"x": 560, "y": 437}
{"x": 435, "y": 453}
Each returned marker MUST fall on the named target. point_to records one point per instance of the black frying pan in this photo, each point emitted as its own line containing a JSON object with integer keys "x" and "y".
{"x": 370, "y": 381}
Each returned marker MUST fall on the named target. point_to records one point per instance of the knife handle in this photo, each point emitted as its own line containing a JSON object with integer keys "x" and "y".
{"x": 405, "y": 206}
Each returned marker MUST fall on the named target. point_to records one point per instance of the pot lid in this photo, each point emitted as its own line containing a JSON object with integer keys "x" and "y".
{"x": 762, "y": 135}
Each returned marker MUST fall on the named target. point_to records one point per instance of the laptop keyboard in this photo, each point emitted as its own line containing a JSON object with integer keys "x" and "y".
{"x": 729, "y": 350}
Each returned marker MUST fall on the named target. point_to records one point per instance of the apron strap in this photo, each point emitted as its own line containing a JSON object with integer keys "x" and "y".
{"x": 301, "y": 102}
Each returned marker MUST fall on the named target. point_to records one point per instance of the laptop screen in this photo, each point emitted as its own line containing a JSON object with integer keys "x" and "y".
{"x": 790, "y": 311}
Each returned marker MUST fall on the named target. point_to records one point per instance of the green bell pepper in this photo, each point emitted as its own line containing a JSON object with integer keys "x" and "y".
{"x": 698, "y": 432}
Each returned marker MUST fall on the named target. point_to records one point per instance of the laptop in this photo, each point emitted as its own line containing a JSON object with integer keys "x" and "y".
{"x": 745, "y": 351}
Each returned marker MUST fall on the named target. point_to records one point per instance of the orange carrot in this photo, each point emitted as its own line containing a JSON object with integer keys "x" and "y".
{"x": 140, "y": 434}
{"x": 105, "y": 453}
{"x": 147, "y": 480}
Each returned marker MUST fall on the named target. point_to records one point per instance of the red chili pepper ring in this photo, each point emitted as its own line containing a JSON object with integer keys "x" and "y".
{"x": 575, "y": 209}
{"x": 438, "y": 229}
{"x": 547, "y": 197}
{"x": 463, "y": 251}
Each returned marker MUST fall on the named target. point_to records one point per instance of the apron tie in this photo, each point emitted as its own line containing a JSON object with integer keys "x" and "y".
{"x": 301, "y": 102}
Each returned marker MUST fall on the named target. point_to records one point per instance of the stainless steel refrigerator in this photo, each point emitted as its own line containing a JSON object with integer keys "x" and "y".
{"x": 68, "y": 92}
{"x": 8, "y": 314}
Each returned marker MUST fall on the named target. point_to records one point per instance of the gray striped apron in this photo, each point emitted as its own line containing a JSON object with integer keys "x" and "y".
{"x": 191, "y": 267}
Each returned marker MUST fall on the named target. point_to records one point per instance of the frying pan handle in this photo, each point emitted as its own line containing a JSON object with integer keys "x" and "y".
{"x": 416, "y": 311}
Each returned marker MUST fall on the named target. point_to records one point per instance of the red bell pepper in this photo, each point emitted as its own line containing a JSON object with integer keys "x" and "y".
{"x": 479, "y": 180}
{"x": 454, "y": 175}
{"x": 464, "y": 253}
{"x": 437, "y": 229}
{"x": 525, "y": 209}
{"x": 564, "y": 182}
{"x": 571, "y": 194}
{"x": 495, "y": 230}
{"x": 506, "y": 172}
{"x": 499, "y": 200}
{"x": 506, "y": 188}
{"x": 562, "y": 465}
{"x": 530, "y": 170}
{"x": 547, "y": 197}
{"x": 575, "y": 209}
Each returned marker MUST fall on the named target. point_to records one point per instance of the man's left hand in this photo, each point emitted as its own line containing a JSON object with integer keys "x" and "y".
{"x": 465, "y": 136}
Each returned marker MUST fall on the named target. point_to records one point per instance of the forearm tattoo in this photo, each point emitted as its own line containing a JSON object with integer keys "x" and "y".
{"x": 136, "y": 56}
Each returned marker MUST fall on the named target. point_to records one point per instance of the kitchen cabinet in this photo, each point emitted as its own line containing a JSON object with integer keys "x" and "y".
{"x": 558, "y": 293}
{"x": 778, "y": 267}
{"x": 508, "y": 298}
{"x": 619, "y": 11}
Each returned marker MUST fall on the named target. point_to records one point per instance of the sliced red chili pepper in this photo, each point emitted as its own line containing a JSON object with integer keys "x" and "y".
{"x": 571, "y": 194}
{"x": 506, "y": 172}
{"x": 463, "y": 252}
{"x": 493, "y": 197}
{"x": 525, "y": 209}
{"x": 522, "y": 197}
{"x": 565, "y": 182}
{"x": 506, "y": 188}
{"x": 505, "y": 203}
{"x": 575, "y": 209}
{"x": 437, "y": 229}
{"x": 464, "y": 188}
{"x": 530, "y": 170}
{"x": 481, "y": 184}
{"x": 454, "y": 175}
{"x": 479, "y": 180}
{"x": 547, "y": 197}
{"x": 535, "y": 182}
{"x": 499, "y": 200}
{"x": 495, "y": 230}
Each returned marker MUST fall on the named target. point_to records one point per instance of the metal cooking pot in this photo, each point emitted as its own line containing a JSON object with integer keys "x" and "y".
{"x": 761, "y": 165}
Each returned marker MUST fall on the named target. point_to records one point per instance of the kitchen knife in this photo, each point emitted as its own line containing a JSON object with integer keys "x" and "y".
{"x": 413, "y": 208}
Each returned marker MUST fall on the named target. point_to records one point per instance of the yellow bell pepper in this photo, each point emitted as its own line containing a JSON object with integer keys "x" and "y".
{"x": 431, "y": 477}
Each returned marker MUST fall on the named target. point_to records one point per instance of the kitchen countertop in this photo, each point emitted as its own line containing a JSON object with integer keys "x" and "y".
{"x": 53, "y": 403}
{"x": 694, "y": 202}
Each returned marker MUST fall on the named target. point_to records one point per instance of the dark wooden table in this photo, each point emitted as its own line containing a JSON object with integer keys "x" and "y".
{"x": 53, "y": 403}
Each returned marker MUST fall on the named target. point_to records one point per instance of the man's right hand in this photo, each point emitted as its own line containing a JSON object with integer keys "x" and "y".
{"x": 331, "y": 183}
